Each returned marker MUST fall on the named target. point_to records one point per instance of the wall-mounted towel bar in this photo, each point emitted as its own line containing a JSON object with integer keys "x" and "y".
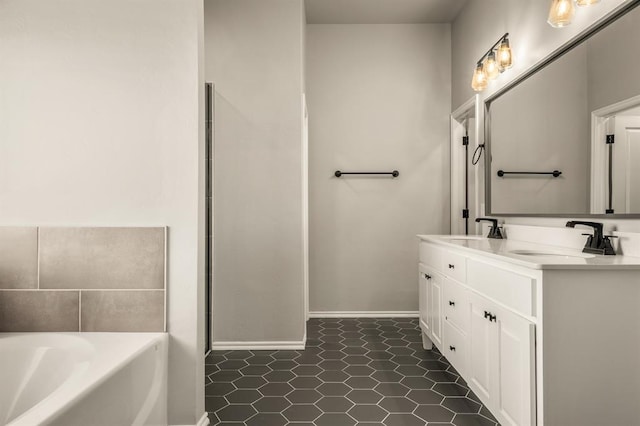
{"x": 554, "y": 173}
{"x": 394, "y": 173}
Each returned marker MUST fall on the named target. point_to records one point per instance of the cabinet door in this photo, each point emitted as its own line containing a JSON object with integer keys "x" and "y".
{"x": 423, "y": 291}
{"x": 482, "y": 349}
{"x": 516, "y": 389}
{"x": 435, "y": 309}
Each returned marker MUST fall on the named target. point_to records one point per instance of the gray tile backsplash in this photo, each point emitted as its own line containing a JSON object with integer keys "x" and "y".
{"x": 102, "y": 258}
{"x": 33, "y": 310}
{"x": 113, "y": 310}
{"x": 18, "y": 257}
{"x": 82, "y": 279}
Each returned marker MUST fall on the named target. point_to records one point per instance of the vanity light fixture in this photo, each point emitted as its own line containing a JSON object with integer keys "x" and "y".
{"x": 492, "y": 63}
{"x": 586, "y": 2}
{"x": 479, "y": 81}
{"x": 505, "y": 60}
{"x": 491, "y": 66}
{"x": 562, "y": 11}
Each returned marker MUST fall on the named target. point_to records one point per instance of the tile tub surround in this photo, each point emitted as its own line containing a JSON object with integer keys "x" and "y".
{"x": 28, "y": 311}
{"x": 354, "y": 372}
{"x": 122, "y": 310}
{"x": 18, "y": 257}
{"x": 101, "y": 258}
{"x": 83, "y": 279}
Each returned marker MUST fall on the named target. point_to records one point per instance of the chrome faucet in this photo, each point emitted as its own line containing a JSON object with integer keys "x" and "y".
{"x": 597, "y": 243}
{"x": 494, "y": 232}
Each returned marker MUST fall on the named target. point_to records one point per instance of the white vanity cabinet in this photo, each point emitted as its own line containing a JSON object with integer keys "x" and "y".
{"x": 540, "y": 343}
{"x": 490, "y": 346}
{"x": 444, "y": 303}
{"x": 502, "y": 361}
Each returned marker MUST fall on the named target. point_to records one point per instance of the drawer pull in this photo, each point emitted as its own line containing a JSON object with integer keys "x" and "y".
{"x": 452, "y": 348}
{"x": 427, "y": 276}
{"x": 452, "y": 303}
{"x": 490, "y": 316}
{"x": 451, "y": 266}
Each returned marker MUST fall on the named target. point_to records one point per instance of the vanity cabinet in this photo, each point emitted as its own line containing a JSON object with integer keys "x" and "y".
{"x": 502, "y": 361}
{"x": 444, "y": 304}
{"x": 478, "y": 328}
{"x": 541, "y": 341}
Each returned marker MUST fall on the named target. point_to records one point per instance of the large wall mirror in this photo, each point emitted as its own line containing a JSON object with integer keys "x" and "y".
{"x": 564, "y": 139}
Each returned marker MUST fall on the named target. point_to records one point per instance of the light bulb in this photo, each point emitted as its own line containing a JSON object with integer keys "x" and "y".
{"x": 504, "y": 56}
{"x": 561, "y": 13}
{"x": 491, "y": 66}
{"x": 583, "y": 3}
{"x": 479, "y": 80}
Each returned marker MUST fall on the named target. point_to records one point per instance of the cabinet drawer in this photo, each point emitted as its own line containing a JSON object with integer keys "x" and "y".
{"x": 455, "y": 347}
{"x": 430, "y": 255}
{"x": 456, "y": 304}
{"x": 454, "y": 266}
{"x": 514, "y": 290}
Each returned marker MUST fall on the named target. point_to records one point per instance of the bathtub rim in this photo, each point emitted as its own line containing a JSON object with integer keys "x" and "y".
{"x": 104, "y": 367}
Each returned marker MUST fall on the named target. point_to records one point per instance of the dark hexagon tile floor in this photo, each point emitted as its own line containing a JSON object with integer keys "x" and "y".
{"x": 354, "y": 372}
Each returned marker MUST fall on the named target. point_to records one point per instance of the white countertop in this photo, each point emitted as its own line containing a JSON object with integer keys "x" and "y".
{"x": 566, "y": 258}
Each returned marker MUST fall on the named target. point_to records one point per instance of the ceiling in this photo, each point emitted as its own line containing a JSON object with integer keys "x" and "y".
{"x": 382, "y": 11}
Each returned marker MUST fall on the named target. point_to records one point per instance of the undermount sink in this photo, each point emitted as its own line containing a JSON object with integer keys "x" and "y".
{"x": 552, "y": 254}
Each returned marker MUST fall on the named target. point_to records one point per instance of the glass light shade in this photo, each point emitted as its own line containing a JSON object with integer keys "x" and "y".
{"x": 561, "y": 13}
{"x": 490, "y": 67}
{"x": 479, "y": 80}
{"x": 504, "y": 55}
{"x": 582, "y": 3}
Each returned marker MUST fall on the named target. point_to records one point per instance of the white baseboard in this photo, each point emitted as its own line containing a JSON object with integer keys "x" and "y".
{"x": 204, "y": 420}
{"x": 365, "y": 314}
{"x": 259, "y": 346}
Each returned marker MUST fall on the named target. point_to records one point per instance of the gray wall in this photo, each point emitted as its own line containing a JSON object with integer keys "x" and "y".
{"x": 379, "y": 99}
{"x": 101, "y": 126}
{"x": 254, "y": 55}
{"x": 613, "y": 64}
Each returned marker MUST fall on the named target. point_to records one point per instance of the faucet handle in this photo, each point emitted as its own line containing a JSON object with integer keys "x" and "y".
{"x": 608, "y": 247}
{"x": 589, "y": 239}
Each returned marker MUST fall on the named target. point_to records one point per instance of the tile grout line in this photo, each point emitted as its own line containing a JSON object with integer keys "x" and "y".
{"x": 85, "y": 289}
{"x": 164, "y": 284}
{"x": 38, "y": 256}
{"x": 80, "y": 310}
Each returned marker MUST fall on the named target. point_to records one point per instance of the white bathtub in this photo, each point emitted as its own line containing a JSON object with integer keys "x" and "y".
{"x": 83, "y": 379}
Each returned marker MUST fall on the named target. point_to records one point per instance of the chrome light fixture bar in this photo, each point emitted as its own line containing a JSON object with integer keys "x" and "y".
{"x": 497, "y": 59}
